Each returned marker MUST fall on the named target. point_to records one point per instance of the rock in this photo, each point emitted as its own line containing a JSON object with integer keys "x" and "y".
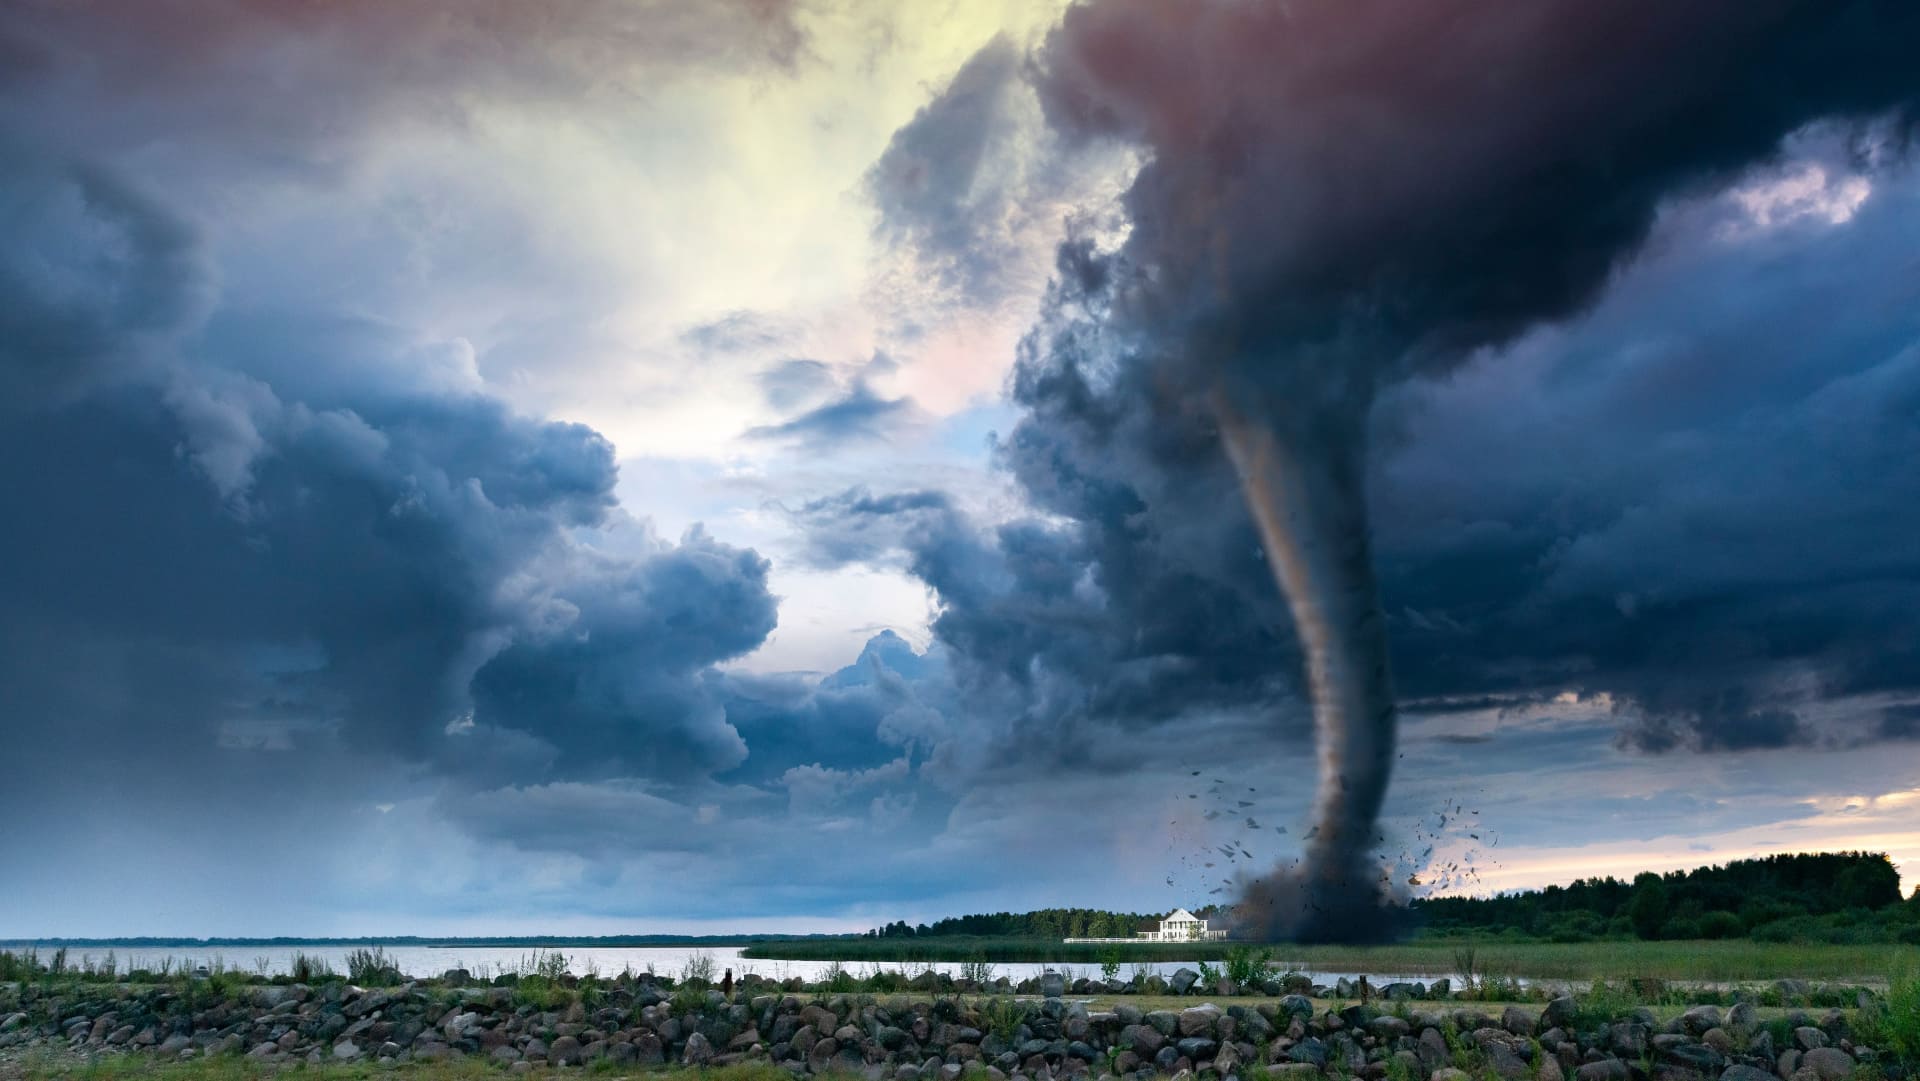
{"x": 1145, "y": 1040}
{"x": 1517, "y": 1021}
{"x": 1559, "y": 1012}
{"x": 1694, "y": 1056}
{"x": 1053, "y": 985}
{"x": 1440, "y": 989}
{"x": 1199, "y": 1020}
{"x": 1183, "y": 979}
{"x": 1309, "y": 1050}
{"x": 1196, "y": 1048}
{"x": 264, "y": 1049}
{"x": 1296, "y": 1006}
{"x": 1742, "y": 1016}
{"x": 1448, "y": 1073}
{"x": 346, "y": 1051}
{"x": 647, "y": 1050}
{"x": 1701, "y": 1018}
{"x": 366, "y": 1003}
{"x": 1829, "y": 1063}
{"x": 1165, "y": 1022}
{"x": 1502, "y": 1060}
{"x": 565, "y": 1050}
{"x": 1389, "y": 1027}
{"x": 1739, "y": 1072}
{"x": 1807, "y": 1037}
{"x": 1432, "y": 1049}
{"x": 1611, "y": 1069}
{"x": 1718, "y": 1039}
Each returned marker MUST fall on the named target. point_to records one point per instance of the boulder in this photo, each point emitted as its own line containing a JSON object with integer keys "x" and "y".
{"x": 1701, "y": 1018}
{"x": 1199, "y": 1020}
{"x": 1828, "y": 1063}
{"x": 1183, "y": 980}
{"x": 565, "y": 1050}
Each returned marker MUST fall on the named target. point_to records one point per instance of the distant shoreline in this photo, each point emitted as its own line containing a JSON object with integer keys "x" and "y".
{"x": 510, "y": 941}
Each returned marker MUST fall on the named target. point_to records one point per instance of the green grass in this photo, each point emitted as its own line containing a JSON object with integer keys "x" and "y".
{"x": 963, "y": 948}
{"x": 1720, "y": 961}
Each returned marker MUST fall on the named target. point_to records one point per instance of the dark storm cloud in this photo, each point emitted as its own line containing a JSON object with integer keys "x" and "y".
{"x": 96, "y": 272}
{"x": 288, "y": 84}
{"x": 937, "y": 187}
{"x": 213, "y": 551}
{"x": 1465, "y": 212}
{"x": 1708, "y": 541}
{"x": 1900, "y": 722}
{"x": 1343, "y": 200}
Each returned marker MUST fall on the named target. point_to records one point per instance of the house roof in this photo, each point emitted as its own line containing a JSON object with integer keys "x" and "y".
{"x": 1181, "y": 914}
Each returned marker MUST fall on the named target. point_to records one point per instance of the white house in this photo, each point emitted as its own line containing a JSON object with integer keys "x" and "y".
{"x": 1178, "y": 926}
{"x": 1182, "y": 926}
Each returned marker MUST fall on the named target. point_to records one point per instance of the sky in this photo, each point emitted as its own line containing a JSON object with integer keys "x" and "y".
{"x": 472, "y": 468}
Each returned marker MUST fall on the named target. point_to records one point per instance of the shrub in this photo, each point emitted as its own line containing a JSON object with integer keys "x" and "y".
{"x": 979, "y": 970}
{"x": 1245, "y": 965}
{"x": 372, "y": 968}
{"x": 699, "y": 967}
{"x": 1721, "y": 925}
{"x": 307, "y": 968}
{"x": 1900, "y": 1014}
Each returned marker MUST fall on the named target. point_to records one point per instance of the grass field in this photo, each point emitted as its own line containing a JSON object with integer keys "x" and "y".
{"x": 1722, "y": 961}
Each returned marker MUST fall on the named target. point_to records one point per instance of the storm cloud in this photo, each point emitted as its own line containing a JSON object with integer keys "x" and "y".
{"x": 1346, "y": 201}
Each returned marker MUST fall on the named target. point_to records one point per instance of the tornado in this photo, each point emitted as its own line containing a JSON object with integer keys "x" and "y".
{"x": 1303, "y": 480}
{"x": 1335, "y": 197}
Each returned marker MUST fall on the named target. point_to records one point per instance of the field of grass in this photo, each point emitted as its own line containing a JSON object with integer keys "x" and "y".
{"x": 1720, "y": 961}
{"x": 959, "y": 948}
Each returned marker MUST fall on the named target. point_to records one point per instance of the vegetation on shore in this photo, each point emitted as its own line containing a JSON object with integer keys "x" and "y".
{"x": 1723, "y": 961}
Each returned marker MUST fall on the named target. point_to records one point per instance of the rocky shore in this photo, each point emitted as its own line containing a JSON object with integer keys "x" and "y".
{"x": 948, "y": 1037}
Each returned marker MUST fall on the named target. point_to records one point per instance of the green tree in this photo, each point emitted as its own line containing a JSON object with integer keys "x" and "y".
{"x": 1647, "y": 905}
{"x": 1867, "y": 884}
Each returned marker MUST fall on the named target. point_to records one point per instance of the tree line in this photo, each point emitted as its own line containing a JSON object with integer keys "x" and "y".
{"x": 1830, "y": 896}
{"x": 1826, "y": 896}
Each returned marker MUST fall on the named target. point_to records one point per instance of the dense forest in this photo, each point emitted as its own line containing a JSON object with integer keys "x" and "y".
{"x": 1044, "y": 923}
{"x": 1819, "y": 897}
{"x": 1828, "y": 896}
